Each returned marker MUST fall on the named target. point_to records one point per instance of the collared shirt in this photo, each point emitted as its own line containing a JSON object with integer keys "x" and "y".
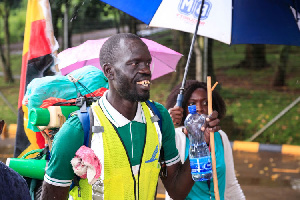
{"x": 117, "y": 118}
{"x": 70, "y": 137}
{"x": 132, "y": 133}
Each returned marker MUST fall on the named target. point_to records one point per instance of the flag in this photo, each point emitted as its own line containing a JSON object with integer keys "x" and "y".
{"x": 37, "y": 61}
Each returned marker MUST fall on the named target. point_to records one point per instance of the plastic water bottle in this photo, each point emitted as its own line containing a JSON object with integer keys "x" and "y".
{"x": 199, "y": 154}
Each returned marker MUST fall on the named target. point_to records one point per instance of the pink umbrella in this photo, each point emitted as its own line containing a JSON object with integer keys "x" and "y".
{"x": 164, "y": 59}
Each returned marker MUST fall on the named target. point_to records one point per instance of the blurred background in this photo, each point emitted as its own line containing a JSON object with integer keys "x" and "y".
{"x": 257, "y": 81}
{"x": 260, "y": 83}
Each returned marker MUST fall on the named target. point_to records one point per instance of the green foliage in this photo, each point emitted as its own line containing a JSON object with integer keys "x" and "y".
{"x": 17, "y": 26}
{"x": 252, "y": 110}
{"x": 16, "y": 63}
{"x": 11, "y": 94}
{"x": 16, "y": 21}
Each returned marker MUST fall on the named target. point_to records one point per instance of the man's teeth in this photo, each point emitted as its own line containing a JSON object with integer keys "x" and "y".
{"x": 144, "y": 83}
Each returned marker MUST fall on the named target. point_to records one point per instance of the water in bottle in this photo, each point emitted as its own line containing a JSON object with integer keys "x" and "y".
{"x": 199, "y": 154}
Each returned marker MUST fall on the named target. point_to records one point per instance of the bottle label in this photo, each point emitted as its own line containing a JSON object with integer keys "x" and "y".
{"x": 200, "y": 165}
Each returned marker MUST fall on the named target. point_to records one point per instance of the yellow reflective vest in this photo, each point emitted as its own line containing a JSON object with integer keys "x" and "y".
{"x": 119, "y": 181}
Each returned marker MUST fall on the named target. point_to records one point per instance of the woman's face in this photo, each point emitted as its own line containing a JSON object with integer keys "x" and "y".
{"x": 198, "y": 98}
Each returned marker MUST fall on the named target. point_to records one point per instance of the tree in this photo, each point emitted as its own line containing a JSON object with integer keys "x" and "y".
{"x": 279, "y": 77}
{"x": 210, "y": 64}
{"x": 255, "y": 57}
{"x": 181, "y": 43}
{"x": 5, "y": 7}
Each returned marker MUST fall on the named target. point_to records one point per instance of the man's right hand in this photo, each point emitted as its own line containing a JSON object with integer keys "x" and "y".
{"x": 176, "y": 114}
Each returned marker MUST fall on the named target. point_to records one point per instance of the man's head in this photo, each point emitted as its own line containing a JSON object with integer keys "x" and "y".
{"x": 125, "y": 60}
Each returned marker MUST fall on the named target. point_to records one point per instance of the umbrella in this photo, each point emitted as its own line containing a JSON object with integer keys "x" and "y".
{"x": 229, "y": 21}
{"x": 164, "y": 59}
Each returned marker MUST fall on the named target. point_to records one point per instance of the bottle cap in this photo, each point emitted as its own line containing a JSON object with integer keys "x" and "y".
{"x": 192, "y": 109}
{"x": 39, "y": 116}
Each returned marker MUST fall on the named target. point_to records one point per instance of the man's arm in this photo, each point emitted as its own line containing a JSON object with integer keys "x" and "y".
{"x": 51, "y": 192}
{"x": 179, "y": 181}
{"x": 59, "y": 173}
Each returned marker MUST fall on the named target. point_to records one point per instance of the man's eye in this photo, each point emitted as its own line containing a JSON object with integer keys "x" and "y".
{"x": 135, "y": 64}
{"x": 205, "y": 103}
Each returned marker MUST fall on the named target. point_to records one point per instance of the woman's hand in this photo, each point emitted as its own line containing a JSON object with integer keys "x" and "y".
{"x": 176, "y": 114}
{"x": 211, "y": 125}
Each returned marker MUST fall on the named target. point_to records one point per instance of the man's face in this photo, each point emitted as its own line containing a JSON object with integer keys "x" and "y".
{"x": 132, "y": 70}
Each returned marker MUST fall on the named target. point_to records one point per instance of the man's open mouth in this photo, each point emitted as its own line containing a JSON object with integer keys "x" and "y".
{"x": 143, "y": 83}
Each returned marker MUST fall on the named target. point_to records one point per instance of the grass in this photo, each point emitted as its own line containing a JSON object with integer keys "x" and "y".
{"x": 248, "y": 108}
{"x": 8, "y": 107}
{"x": 10, "y": 92}
{"x": 252, "y": 110}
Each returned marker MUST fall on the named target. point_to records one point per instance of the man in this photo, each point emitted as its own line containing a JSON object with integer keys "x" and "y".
{"x": 128, "y": 147}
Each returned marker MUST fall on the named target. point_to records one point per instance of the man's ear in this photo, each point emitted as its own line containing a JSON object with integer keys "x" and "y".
{"x": 108, "y": 71}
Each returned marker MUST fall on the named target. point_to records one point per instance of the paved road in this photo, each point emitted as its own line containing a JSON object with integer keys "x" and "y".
{"x": 262, "y": 175}
{"x": 266, "y": 176}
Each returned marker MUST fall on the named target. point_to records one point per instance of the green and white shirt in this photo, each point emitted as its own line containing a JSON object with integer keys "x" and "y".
{"x": 71, "y": 136}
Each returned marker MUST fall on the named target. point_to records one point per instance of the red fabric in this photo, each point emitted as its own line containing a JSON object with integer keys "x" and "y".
{"x": 52, "y": 100}
{"x": 41, "y": 46}
{"x": 40, "y": 140}
{"x": 98, "y": 93}
{"x": 23, "y": 79}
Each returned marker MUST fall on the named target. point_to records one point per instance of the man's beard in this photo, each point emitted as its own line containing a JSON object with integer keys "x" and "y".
{"x": 130, "y": 93}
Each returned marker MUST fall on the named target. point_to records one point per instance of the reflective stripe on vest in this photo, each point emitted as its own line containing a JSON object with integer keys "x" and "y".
{"x": 119, "y": 181}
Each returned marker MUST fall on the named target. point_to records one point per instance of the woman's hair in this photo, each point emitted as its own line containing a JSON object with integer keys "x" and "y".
{"x": 218, "y": 103}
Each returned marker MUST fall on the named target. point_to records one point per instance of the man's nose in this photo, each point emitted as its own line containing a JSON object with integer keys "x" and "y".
{"x": 144, "y": 68}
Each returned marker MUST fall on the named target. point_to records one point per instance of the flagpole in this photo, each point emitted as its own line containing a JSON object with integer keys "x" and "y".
{"x": 212, "y": 138}
{"x": 50, "y": 32}
{"x": 180, "y": 95}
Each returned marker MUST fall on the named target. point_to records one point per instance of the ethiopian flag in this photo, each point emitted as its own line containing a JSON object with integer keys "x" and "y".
{"x": 37, "y": 61}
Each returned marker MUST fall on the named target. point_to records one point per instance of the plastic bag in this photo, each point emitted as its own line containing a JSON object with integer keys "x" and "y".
{"x": 60, "y": 86}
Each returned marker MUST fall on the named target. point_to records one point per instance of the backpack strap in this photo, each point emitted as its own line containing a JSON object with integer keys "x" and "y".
{"x": 158, "y": 118}
{"x": 85, "y": 122}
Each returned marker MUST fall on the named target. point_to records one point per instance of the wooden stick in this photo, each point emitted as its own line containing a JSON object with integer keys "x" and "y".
{"x": 212, "y": 140}
{"x": 213, "y": 87}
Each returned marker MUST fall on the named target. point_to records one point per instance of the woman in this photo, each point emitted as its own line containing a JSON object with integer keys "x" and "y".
{"x": 196, "y": 94}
